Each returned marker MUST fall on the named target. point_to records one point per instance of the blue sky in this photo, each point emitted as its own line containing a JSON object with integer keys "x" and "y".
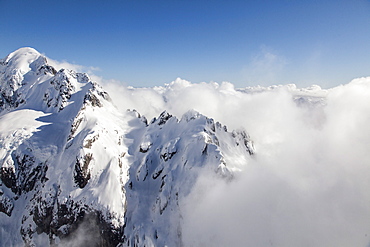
{"x": 148, "y": 43}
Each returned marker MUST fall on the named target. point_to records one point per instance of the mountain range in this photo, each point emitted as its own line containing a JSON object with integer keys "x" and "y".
{"x": 77, "y": 171}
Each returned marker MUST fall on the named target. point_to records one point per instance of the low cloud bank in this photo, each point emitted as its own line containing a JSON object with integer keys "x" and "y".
{"x": 307, "y": 185}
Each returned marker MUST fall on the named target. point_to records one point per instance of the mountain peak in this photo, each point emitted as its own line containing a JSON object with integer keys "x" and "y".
{"x": 25, "y": 50}
{"x": 70, "y": 158}
{"x": 22, "y": 57}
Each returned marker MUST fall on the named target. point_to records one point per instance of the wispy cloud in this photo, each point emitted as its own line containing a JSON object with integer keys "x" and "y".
{"x": 265, "y": 68}
{"x": 71, "y": 66}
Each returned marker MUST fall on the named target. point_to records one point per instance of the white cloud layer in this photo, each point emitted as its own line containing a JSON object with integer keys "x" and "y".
{"x": 75, "y": 67}
{"x": 308, "y": 184}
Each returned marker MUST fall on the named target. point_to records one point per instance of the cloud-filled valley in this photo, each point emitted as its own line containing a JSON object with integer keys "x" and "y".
{"x": 308, "y": 182}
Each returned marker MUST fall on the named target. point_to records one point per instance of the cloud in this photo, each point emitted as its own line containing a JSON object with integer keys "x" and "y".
{"x": 265, "y": 68}
{"x": 75, "y": 67}
{"x": 147, "y": 101}
{"x": 87, "y": 233}
{"x": 307, "y": 186}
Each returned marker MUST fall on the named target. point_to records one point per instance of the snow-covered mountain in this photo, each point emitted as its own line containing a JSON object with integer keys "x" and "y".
{"x": 76, "y": 171}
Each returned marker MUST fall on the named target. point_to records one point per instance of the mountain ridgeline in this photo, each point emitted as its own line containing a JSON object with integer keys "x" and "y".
{"x": 75, "y": 171}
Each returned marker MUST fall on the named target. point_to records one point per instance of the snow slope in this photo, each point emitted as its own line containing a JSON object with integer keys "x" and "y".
{"x": 62, "y": 150}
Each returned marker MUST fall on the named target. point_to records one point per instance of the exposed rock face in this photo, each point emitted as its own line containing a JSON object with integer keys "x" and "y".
{"x": 71, "y": 165}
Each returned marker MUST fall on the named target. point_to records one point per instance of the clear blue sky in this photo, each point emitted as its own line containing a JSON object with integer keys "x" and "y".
{"x": 148, "y": 43}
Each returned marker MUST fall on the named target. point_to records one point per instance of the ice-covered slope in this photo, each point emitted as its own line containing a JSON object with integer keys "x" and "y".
{"x": 76, "y": 171}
